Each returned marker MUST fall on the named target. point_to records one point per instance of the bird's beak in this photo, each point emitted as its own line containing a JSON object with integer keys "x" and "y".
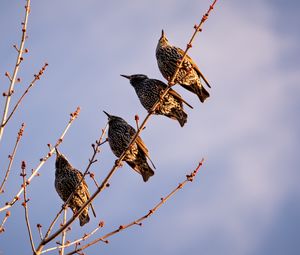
{"x": 126, "y": 76}
{"x": 57, "y": 152}
{"x": 107, "y": 114}
{"x": 162, "y": 34}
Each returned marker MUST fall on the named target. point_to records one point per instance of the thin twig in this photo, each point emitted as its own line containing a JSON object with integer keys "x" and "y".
{"x": 52, "y": 224}
{"x": 16, "y": 69}
{"x": 77, "y": 241}
{"x": 63, "y": 234}
{"x": 137, "y": 118}
{"x": 39, "y": 227}
{"x": 12, "y": 157}
{"x": 74, "y": 115}
{"x": 92, "y": 175}
{"x": 2, "y": 229}
{"x": 189, "y": 178}
{"x": 117, "y": 164}
{"x": 24, "y": 204}
{"x": 36, "y": 77}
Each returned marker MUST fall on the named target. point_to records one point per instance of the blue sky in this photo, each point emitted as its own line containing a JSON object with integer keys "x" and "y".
{"x": 245, "y": 199}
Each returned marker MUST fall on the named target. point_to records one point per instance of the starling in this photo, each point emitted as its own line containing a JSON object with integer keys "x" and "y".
{"x": 189, "y": 75}
{"x": 66, "y": 180}
{"x": 120, "y": 134}
{"x": 149, "y": 91}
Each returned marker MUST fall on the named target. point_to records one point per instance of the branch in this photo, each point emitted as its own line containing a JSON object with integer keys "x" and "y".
{"x": 16, "y": 69}
{"x": 24, "y": 204}
{"x": 189, "y": 178}
{"x": 74, "y": 115}
{"x": 77, "y": 241}
{"x": 12, "y": 157}
{"x": 2, "y": 229}
{"x": 63, "y": 238}
{"x": 117, "y": 164}
{"x": 36, "y": 77}
{"x": 39, "y": 227}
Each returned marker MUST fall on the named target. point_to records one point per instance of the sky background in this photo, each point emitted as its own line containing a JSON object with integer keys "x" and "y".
{"x": 245, "y": 199}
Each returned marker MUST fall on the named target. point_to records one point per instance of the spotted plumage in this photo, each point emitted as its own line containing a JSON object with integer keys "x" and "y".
{"x": 189, "y": 75}
{"x": 120, "y": 134}
{"x": 149, "y": 91}
{"x": 66, "y": 180}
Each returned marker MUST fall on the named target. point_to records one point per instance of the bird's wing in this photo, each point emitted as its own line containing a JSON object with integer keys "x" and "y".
{"x": 194, "y": 66}
{"x": 138, "y": 140}
{"x": 140, "y": 144}
{"x": 87, "y": 193}
{"x": 173, "y": 93}
{"x": 177, "y": 96}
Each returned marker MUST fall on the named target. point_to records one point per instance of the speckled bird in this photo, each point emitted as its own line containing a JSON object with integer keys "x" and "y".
{"x": 66, "y": 180}
{"x": 189, "y": 75}
{"x": 120, "y": 134}
{"x": 149, "y": 91}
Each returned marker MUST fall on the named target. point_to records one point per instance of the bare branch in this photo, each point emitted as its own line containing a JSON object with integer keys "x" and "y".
{"x": 77, "y": 241}
{"x": 117, "y": 164}
{"x": 36, "y": 77}
{"x": 12, "y": 157}
{"x": 141, "y": 127}
{"x": 2, "y": 229}
{"x": 63, "y": 238}
{"x": 24, "y": 204}
{"x": 189, "y": 178}
{"x": 16, "y": 69}
{"x": 39, "y": 227}
{"x": 92, "y": 175}
{"x": 74, "y": 115}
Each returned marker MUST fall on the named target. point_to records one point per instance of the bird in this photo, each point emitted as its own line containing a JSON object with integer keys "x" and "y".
{"x": 189, "y": 75}
{"x": 149, "y": 91}
{"x": 67, "y": 179}
{"x": 120, "y": 134}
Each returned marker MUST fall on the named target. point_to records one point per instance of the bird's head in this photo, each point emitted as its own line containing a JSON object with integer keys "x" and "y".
{"x": 61, "y": 160}
{"x": 112, "y": 118}
{"x": 135, "y": 79}
{"x": 163, "y": 41}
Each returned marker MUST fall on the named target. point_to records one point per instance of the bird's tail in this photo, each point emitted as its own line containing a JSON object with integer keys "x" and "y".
{"x": 179, "y": 115}
{"x": 84, "y": 218}
{"x": 201, "y": 92}
{"x": 198, "y": 89}
{"x": 142, "y": 168}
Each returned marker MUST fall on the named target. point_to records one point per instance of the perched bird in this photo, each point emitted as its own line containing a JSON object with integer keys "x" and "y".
{"x": 189, "y": 75}
{"x": 66, "y": 180}
{"x": 149, "y": 91}
{"x": 120, "y": 134}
